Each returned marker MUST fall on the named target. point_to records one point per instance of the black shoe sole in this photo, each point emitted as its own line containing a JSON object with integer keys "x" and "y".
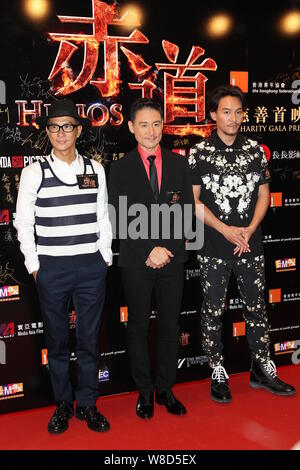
{"x": 219, "y": 400}
{"x": 82, "y": 418}
{"x": 146, "y": 417}
{"x": 58, "y": 431}
{"x": 97, "y": 429}
{"x": 171, "y": 412}
{"x": 281, "y": 394}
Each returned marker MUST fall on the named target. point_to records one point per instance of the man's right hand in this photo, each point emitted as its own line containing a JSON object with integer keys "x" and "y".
{"x": 159, "y": 257}
{"x": 236, "y": 236}
{"x": 34, "y": 275}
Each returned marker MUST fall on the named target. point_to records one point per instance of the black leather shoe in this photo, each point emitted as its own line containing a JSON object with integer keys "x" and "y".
{"x": 144, "y": 406}
{"x": 219, "y": 388}
{"x": 59, "y": 421}
{"x": 263, "y": 375}
{"x": 174, "y": 406}
{"x": 95, "y": 420}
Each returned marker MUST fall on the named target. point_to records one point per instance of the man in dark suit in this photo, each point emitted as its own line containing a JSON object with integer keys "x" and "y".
{"x": 152, "y": 258}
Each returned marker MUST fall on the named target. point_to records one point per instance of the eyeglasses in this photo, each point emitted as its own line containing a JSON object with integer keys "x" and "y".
{"x": 68, "y": 127}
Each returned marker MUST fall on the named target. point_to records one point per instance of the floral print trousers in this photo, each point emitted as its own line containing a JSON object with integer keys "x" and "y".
{"x": 215, "y": 275}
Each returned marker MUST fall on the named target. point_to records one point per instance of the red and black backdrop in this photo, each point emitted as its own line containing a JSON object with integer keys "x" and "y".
{"x": 103, "y": 56}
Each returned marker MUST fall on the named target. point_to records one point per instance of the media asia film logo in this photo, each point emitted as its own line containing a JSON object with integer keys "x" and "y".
{"x": 7, "y": 330}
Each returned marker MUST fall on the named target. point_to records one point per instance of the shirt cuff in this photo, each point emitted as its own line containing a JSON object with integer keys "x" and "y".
{"x": 107, "y": 255}
{"x": 32, "y": 266}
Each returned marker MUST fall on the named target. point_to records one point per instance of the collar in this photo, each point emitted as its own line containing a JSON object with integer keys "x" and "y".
{"x": 220, "y": 145}
{"x": 57, "y": 161}
{"x": 144, "y": 155}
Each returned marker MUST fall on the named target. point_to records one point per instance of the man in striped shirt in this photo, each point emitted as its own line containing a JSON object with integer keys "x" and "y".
{"x": 65, "y": 236}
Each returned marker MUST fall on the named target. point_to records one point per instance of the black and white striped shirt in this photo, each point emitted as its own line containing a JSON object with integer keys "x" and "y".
{"x": 56, "y": 218}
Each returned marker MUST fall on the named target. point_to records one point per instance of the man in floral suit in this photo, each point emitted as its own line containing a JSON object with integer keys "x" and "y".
{"x": 231, "y": 185}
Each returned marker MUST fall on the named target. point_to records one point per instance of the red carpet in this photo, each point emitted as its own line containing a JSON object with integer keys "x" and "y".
{"x": 255, "y": 419}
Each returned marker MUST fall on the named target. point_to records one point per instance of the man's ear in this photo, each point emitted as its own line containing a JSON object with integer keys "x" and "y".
{"x": 131, "y": 128}
{"x": 213, "y": 115}
{"x": 79, "y": 130}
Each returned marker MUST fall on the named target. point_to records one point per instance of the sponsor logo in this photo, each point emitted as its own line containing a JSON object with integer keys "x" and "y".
{"x": 274, "y": 87}
{"x": 8, "y": 293}
{"x": 2, "y": 92}
{"x": 295, "y": 296}
{"x": 123, "y": 314}
{"x": 11, "y": 391}
{"x": 287, "y": 347}
{"x": 285, "y": 154}
{"x": 191, "y": 361}
{"x": 292, "y": 202}
{"x": 4, "y": 217}
{"x": 269, "y": 239}
{"x": 103, "y": 375}
{"x": 267, "y": 151}
{"x": 72, "y": 320}
{"x": 2, "y": 352}
{"x": 239, "y": 329}
{"x": 73, "y": 356}
{"x": 274, "y": 296}
{"x": 180, "y": 152}
{"x": 184, "y": 339}
{"x": 233, "y": 304}
{"x": 296, "y": 354}
{"x": 276, "y": 199}
{"x": 17, "y": 161}
{"x": 239, "y": 79}
{"x": 7, "y": 330}
{"x": 29, "y": 329}
{"x": 188, "y": 312}
{"x": 286, "y": 264}
{"x": 192, "y": 273}
{"x": 44, "y": 357}
{"x": 112, "y": 353}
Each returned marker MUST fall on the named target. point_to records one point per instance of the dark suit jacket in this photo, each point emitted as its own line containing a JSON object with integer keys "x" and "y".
{"x": 128, "y": 177}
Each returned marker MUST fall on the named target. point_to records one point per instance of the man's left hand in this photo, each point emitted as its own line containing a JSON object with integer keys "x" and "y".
{"x": 247, "y": 234}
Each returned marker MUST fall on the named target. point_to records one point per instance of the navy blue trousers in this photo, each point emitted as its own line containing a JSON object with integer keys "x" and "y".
{"x": 58, "y": 282}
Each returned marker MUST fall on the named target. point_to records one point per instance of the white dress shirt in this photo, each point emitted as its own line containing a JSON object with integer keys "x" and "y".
{"x": 30, "y": 181}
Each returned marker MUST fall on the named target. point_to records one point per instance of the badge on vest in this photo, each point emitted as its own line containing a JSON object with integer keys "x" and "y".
{"x": 173, "y": 197}
{"x": 87, "y": 181}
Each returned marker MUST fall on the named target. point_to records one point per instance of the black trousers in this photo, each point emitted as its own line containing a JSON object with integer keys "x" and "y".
{"x": 57, "y": 284}
{"x": 138, "y": 285}
{"x": 215, "y": 275}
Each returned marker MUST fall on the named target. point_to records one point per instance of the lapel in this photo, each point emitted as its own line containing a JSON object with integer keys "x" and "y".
{"x": 164, "y": 176}
{"x": 140, "y": 176}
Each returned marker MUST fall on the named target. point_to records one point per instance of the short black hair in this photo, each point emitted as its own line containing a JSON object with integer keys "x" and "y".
{"x": 142, "y": 103}
{"x": 224, "y": 90}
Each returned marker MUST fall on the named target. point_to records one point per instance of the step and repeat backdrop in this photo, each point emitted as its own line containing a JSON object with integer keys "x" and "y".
{"x": 104, "y": 55}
